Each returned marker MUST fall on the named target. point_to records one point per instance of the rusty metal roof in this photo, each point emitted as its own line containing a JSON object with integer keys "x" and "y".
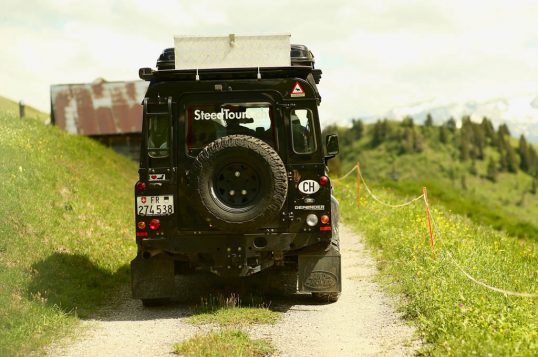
{"x": 98, "y": 108}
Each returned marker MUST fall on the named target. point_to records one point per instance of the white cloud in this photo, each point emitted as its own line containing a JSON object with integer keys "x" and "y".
{"x": 375, "y": 54}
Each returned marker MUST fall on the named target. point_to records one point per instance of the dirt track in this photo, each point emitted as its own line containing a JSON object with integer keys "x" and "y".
{"x": 362, "y": 323}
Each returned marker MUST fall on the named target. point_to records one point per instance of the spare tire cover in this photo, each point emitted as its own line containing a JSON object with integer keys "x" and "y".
{"x": 240, "y": 182}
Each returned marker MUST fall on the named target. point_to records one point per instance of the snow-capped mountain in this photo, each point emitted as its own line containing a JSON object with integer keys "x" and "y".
{"x": 520, "y": 113}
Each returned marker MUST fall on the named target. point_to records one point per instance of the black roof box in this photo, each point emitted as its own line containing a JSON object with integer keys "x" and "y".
{"x": 301, "y": 56}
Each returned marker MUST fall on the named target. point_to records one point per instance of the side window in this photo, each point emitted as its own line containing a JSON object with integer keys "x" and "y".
{"x": 302, "y": 131}
{"x": 158, "y": 135}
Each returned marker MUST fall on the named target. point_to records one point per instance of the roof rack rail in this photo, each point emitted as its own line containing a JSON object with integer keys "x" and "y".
{"x": 296, "y": 71}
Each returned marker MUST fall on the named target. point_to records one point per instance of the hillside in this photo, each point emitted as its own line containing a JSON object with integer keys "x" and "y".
{"x": 10, "y": 107}
{"x": 66, "y": 239}
{"x": 484, "y": 182}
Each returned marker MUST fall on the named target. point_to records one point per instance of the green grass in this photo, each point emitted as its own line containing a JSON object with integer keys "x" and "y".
{"x": 66, "y": 236}
{"x": 481, "y": 210}
{"x": 454, "y": 316}
{"x": 11, "y": 108}
{"x": 224, "y": 343}
{"x": 229, "y": 311}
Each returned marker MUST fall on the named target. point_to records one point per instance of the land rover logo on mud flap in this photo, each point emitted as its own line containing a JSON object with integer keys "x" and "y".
{"x": 320, "y": 280}
{"x": 308, "y": 186}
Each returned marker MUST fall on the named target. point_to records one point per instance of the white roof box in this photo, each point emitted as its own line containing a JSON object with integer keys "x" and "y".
{"x": 194, "y": 52}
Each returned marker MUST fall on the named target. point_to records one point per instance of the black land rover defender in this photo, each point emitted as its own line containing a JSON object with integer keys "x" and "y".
{"x": 233, "y": 179}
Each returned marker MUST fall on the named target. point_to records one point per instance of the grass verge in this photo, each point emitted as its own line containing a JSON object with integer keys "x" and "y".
{"x": 224, "y": 343}
{"x": 229, "y": 311}
{"x": 477, "y": 209}
{"x": 65, "y": 240}
{"x": 454, "y": 316}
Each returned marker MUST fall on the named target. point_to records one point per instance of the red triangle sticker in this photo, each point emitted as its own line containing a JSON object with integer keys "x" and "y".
{"x": 297, "y": 90}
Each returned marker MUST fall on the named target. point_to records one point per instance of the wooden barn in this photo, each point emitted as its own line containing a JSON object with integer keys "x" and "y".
{"x": 109, "y": 112}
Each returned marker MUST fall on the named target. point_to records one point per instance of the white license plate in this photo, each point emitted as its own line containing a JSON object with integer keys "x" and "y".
{"x": 155, "y": 205}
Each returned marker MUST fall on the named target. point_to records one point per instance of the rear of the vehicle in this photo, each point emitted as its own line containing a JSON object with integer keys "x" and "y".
{"x": 233, "y": 178}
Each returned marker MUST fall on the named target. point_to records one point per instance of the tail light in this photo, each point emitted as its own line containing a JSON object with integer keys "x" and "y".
{"x": 323, "y": 180}
{"x": 140, "y": 185}
{"x": 141, "y": 225}
{"x": 154, "y": 224}
{"x": 324, "y": 219}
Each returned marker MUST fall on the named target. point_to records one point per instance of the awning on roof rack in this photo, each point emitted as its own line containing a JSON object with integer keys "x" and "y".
{"x": 232, "y": 51}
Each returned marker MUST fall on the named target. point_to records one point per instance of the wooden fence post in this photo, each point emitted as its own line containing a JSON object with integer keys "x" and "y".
{"x": 428, "y": 215}
{"x": 358, "y": 184}
{"x": 22, "y": 109}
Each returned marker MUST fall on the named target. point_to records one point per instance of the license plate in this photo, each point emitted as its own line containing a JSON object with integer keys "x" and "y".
{"x": 155, "y": 205}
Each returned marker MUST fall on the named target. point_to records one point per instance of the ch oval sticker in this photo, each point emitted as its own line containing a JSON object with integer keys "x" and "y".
{"x": 308, "y": 186}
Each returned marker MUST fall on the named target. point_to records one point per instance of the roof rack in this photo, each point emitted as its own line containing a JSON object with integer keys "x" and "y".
{"x": 297, "y": 71}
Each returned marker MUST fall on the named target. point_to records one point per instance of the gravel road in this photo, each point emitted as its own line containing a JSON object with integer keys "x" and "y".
{"x": 362, "y": 323}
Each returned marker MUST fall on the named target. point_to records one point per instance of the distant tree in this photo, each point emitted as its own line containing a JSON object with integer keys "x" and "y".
{"x": 408, "y": 122}
{"x": 489, "y": 130}
{"x": 357, "y": 128}
{"x": 451, "y": 125}
{"x": 465, "y": 148}
{"x": 503, "y": 159}
{"x": 533, "y": 186}
{"x": 533, "y": 161}
{"x": 378, "y": 133}
{"x": 429, "y": 121}
{"x": 523, "y": 151}
{"x": 418, "y": 141}
{"x": 478, "y": 140}
{"x": 406, "y": 141}
{"x": 511, "y": 158}
{"x": 501, "y": 141}
{"x": 443, "y": 134}
{"x": 492, "y": 171}
{"x": 503, "y": 130}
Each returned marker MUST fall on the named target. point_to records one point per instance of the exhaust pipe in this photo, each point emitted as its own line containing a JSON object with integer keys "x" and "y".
{"x": 150, "y": 253}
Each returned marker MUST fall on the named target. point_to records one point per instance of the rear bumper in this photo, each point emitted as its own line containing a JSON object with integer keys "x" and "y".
{"x": 200, "y": 242}
{"x": 232, "y": 255}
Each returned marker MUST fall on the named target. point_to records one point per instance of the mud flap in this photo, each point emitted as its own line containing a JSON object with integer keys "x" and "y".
{"x": 152, "y": 278}
{"x": 320, "y": 272}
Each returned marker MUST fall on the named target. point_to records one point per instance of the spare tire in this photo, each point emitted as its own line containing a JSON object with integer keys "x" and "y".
{"x": 240, "y": 182}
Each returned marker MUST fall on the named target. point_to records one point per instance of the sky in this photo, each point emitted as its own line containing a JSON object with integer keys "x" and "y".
{"x": 375, "y": 55}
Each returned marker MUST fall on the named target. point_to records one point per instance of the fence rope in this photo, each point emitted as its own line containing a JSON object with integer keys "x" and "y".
{"x": 385, "y": 203}
{"x": 438, "y": 232}
{"x": 347, "y": 174}
{"x": 472, "y": 278}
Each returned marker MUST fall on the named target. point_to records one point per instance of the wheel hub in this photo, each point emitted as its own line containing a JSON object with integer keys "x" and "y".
{"x": 236, "y": 185}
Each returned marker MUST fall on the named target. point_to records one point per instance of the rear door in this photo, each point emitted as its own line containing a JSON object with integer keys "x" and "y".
{"x": 308, "y": 193}
{"x": 204, "y": 118}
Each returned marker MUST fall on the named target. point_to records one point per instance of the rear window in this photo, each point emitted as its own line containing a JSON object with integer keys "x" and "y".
{"x": 158, "y": 134}
{"x": 208, "y": 122}
{"x": 302, "y": 130}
